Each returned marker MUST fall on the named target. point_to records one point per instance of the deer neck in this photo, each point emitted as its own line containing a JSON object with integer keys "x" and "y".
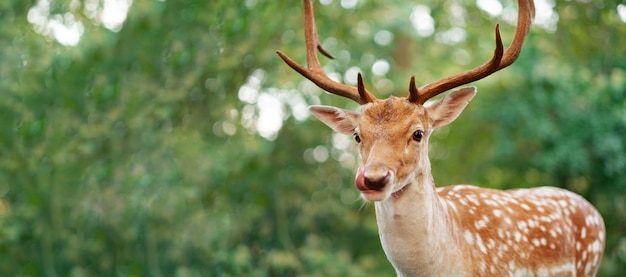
{"x": 415, "y": 230}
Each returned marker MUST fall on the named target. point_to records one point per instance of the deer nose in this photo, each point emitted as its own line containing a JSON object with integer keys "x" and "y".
{"x": 374, "y": 177}
{"x": 377, "y": 182}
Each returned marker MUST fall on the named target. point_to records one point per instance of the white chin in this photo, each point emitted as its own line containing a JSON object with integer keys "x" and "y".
{"x": 374, "y": 195}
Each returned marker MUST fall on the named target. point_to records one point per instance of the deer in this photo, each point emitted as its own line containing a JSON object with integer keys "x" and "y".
{"x": 459, "y": 230}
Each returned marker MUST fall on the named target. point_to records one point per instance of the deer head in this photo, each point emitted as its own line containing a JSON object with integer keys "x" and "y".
{"x": 393, "y": 133}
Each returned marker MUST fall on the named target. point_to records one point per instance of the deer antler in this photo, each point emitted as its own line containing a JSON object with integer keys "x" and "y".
{"x": 314, "y": 71}
{"x": 499, "y": 60}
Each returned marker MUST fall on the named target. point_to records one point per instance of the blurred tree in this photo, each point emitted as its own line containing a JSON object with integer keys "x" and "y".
{"x": 165, "y": 138}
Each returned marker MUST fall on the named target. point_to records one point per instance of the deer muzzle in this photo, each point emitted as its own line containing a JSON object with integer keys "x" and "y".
{"x": 372, "y": 177}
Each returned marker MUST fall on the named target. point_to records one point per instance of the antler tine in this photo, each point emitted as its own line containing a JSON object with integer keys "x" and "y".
{"x": 314, "y": 71}
{"x": 499, "y": 60}
{"x": 524, "y": 21}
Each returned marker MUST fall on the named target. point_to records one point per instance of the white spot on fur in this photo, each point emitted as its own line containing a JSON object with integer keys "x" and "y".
{"x": 468, "y": 237}
{"x": 472, "y": 198}
{"x": 583, "y": 233}
{"x": 480, "y": 244}
{"x": 595, "y": 246}
{"x": 518, "y": 236}
{"x": 497, "y": 213}
{"x": 568, "y": 267}
{"x": 552, "y": 233}
{"x": 523, "y": 272}
{"x": 480, "y": 224}
{"x": 491, "y": 244}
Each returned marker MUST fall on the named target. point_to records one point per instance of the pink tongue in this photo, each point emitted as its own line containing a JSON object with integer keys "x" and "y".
{"x": 359, "y": 180}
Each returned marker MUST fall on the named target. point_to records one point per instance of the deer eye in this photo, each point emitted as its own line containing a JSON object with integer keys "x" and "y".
{"x": 418, "y": 135}
{"x": 357, "y": 138}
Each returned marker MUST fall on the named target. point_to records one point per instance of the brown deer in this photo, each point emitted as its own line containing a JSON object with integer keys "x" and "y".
{"x": 459, "y": 230}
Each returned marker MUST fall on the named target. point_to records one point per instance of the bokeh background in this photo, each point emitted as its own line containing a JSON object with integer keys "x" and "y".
{"x": 166, "y": 138}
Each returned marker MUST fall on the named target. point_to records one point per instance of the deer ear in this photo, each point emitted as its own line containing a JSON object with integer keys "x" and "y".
{"x": 446, "y": 110}
{"x": 342, "y": 121}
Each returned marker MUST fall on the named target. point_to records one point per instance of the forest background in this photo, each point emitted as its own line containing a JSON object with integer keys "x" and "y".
{"x": 166, "y": 138}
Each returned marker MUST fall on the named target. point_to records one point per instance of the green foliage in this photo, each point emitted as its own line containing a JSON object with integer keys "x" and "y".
{"x": 139, "y": 151}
